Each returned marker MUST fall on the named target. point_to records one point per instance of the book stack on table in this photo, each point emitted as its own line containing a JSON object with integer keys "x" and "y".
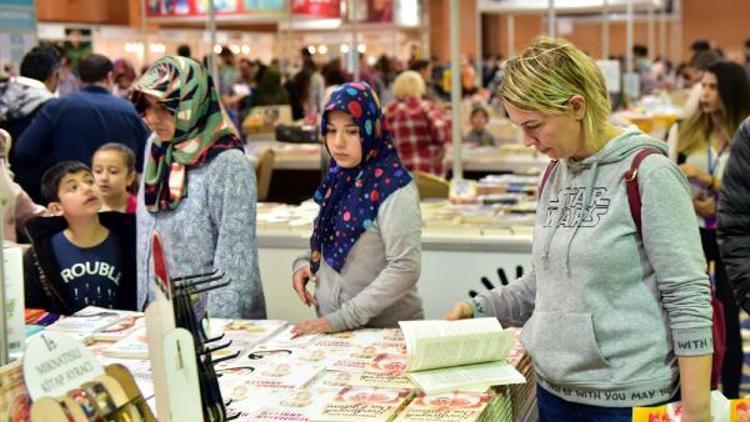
{"x": 522, "y": 396}
{"x": 361, "y": 375}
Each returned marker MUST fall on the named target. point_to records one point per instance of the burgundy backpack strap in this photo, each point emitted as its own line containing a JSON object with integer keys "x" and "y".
{"x": 631, "y": 180}
{"x": 551, "y": 166}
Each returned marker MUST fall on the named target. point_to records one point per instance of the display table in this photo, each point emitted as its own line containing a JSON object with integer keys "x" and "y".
{"x": 455, "y": 256}
{"x": 504, "y": 159}
{"x": 277, "y": 378}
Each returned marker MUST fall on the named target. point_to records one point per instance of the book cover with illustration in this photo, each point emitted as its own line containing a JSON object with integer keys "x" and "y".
{"x": 283, "y": 375}
{"x": 244, "y": 334}
{"x": 357, "y": 358}
{"x": 364, "y": 404}
{"x": 285, "y": 340}
{"x": 359, "y": 338}
{"x": 739, "y": 410}
{"x": 261, "y": 356}
{"x": 133, "y": 346}
{"x": 722, "y": 409}
{"x": 124, "y": 327}
{"x": 316, "y": 356}
{"x": 14, "y": 400}
{"x": 352, "y": 360}
{"x": 89, "y": 320}
{"x": 246, "y": 400}
{"x": 296, "y": 406}
{"x": 333, "y": 380}
{"x": 385, "y": 370}
{"x": 455, "y": 406}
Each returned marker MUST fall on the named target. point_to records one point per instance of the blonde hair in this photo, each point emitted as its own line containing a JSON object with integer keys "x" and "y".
{"x": 548, "y": 73}
{"x": 693, "y": 132}
{"x": 408, "y": 84}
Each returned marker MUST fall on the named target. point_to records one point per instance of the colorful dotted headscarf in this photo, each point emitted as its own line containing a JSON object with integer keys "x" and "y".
{"x": 202, "y": 128}
{"x": 349, "y": 198}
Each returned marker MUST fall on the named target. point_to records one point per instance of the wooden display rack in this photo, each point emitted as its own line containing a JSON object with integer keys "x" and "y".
{"x": 114, "y": 396}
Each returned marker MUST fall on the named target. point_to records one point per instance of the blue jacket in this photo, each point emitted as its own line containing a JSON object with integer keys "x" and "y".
{"x": 72, "y": 128}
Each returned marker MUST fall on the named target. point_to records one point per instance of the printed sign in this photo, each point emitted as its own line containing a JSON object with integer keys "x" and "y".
{"x": 55, "y": 363}
{"x": 317, "y": 8}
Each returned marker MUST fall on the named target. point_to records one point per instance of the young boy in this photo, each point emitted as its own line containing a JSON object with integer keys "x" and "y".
{"x": 79, "y": 257}
{"x": 479, "y": 135}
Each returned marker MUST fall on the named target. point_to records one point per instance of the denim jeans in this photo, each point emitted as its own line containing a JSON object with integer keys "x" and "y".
{"x": 554, "y": 409}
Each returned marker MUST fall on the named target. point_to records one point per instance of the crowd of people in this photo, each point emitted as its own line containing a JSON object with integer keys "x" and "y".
{"x": 617, "y": 309}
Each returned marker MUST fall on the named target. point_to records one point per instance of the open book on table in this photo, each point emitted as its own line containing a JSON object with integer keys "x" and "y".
{"x": 458, "y": 355}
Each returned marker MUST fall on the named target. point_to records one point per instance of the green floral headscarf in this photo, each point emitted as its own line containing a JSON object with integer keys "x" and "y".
{"x": 202, "y": 128}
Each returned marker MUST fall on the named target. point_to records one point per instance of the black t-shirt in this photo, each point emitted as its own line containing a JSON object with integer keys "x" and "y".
{"x": 91, "y": 275}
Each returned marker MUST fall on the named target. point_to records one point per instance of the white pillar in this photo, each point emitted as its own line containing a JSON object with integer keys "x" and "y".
{"x": 480, "y": 49}
{"x": 551, "y": 24}
{"x": 425, "y": 28}
{"x": 663, "y": 33}
{"x": 288, "y": 55}
{"x": 212, "y": 68}
{"x": 144, "y": 37}
{"x": 629, "y": 42}
{"x": 651, "y": 33}
{"x": 605, "y": 30}
{"x": 511, "y": 19}
{"x": 355, "y": 43}
{"x": 455, "y": 88}
{"x": 677, "y": 32}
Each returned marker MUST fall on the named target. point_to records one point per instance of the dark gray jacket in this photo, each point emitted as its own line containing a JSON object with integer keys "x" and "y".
{"x": 734, "y": 216}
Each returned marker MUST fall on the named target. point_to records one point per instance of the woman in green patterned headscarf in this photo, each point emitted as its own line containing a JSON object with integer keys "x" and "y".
{"x": 189, "y": 122}
{"x": 198, "y": 188}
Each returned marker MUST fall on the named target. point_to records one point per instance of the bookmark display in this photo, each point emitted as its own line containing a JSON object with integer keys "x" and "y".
{"x": 185, "y": 382}
{"x": 111, "y": 397}
{"x": 185, "y": 290}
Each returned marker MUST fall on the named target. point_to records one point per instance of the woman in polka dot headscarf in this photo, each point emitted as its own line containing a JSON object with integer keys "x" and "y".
{"x": 365, "y": 252}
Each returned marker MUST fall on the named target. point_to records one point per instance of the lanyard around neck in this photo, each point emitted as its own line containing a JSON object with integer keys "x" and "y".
{"x": 712, "y": 164}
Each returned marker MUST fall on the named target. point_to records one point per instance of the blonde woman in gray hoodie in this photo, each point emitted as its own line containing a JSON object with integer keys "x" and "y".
{"x": 614, "y": 317}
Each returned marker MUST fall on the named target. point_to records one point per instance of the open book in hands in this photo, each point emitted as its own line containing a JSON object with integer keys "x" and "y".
{"x": 455, "y": 355}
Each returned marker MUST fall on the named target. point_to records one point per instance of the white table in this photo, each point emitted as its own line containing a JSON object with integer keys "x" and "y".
{"x": 451, "y": 266}
{"x": 307, "y": 157}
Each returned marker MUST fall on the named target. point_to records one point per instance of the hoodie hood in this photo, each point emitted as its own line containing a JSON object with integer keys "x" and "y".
{"x": 623, "y": 146}
{"x": 18, "y": 100}
{"x": 619, "y": 148}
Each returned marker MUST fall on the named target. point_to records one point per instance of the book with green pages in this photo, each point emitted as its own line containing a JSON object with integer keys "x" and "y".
{"x": 451, "y": 355}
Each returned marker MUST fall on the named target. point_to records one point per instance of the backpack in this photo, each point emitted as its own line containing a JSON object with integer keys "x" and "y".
{"x": 634, "y": 200}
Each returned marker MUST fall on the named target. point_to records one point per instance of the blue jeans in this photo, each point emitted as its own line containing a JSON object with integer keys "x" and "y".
{"x": 554, "y": 409}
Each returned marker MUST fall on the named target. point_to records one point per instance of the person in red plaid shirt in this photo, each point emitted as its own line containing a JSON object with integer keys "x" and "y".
{"x": 419, "y": 128}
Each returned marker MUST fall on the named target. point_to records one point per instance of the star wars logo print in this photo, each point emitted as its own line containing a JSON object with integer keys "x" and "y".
{"x": 569, "y": 202}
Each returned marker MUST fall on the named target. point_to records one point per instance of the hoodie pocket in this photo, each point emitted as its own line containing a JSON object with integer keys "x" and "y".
{"x": 563, "y": 347}
{"x": 328, "y": 295}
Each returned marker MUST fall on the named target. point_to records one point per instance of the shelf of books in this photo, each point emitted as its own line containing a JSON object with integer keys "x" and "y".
{"x": 265, "y": 374}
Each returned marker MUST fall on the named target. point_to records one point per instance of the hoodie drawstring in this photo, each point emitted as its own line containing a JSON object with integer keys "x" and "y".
{"x": 586, "y": 199}
{"x": 556, "y": 224}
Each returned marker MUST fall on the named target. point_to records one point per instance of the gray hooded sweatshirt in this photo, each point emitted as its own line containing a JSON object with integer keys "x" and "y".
{"x": 606, "y": 313}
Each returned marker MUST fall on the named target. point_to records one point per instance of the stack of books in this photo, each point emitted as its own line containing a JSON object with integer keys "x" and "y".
{"x": 522, "y": 396}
